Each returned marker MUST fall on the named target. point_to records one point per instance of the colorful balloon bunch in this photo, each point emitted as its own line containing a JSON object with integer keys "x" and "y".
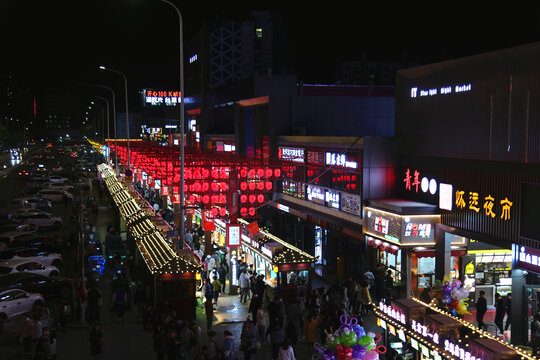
{"x": 452, "y": 294}
{"x": 350, "y": 342}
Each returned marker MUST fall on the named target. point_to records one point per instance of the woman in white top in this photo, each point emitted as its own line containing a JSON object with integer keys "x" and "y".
{"x": 286, "y": 351}
{"x": 261, "y": 324}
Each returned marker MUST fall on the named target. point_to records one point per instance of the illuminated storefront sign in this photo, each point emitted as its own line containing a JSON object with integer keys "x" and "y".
{"x": 413, "y": 182}
{"x": 444, "y": 90}
{"x": 292, "y": 154}
{"x": 331, "y": 199}
{"x": 339, "y": 159}
{"x": 420, "y": 230}
{"x": 267, "y": 252}
{"x": 158, "y": 98}
{"x": 316, "y": 194}
{"x": 233, "y": 234}
{"x": 351, "y": 204}
{"x": 485, "y": 204}
{"x": 383, "y": 225}
{"x": 315, "y": 157}
{"x": 424, "y": 331}
{"x": 458, "y": 351}
{"x": 527, "y": 258}
{"x": 446, "y": 193}
{"x": 283, "y": 207}
{"x": 393, "y": 313}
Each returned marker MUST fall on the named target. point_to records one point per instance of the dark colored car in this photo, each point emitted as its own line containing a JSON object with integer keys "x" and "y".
{"x": 42, "y": 242}
{"x": 50, "y": 287}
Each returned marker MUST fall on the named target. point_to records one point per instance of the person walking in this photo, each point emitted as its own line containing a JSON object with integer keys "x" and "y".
{"x": 244, "y": 286}
{"x": 216, "y": 288}
{"x": 500, "y": 311}
{"x": 212, "y": 350}
{"x": 26, "y": 334}
{"x": 277, "y": 336}
{"x": 222, "y": 272}
{"x": 119, "y": 300}
{"x": 248, "y": 340}
{"x": 261, "y": 323}
{"x": 209, "y": 310}
{"x": 311, "y": 328}
{"x": 286, "y": 351}
{"x": 228, "y": 346}
{"x": 159, "y": 342}
{"x": 93, "y": 299}
{"x": 96, "y": 342}
{"x": 481, "y": 308}
{"x": 365, "y": 298}
{"x": 508, "y": 311}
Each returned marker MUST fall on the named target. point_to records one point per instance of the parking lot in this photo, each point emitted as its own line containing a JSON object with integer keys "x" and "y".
{"x": 64, "y": 236}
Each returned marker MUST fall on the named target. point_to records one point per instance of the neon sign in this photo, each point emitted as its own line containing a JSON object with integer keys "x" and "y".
{"x": 475, "y": 202}
{"x": 316, "y": 194}
{"x": 458, "y": 351}
{"x": 423, "y": 330}
{"x": 338, "y": 159}
{"x": 412, "y": 182}
{"x": 292, "y": 154}
{"x": 157, "y": 98}
{"x": 527, "y": 258}
{"x": 417, "y": 230}
{"x": 415, "y": 91}
{"x": 332, "y": 199}
{"x": 393, "y": 313}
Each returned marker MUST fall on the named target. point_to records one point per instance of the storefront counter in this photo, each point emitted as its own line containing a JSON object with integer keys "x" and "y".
{"x": 491, "y": 349}
{"x": 410, "y": 308}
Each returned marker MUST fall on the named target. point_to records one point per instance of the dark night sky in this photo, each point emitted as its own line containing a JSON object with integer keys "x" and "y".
{"x": 52, "y": 41}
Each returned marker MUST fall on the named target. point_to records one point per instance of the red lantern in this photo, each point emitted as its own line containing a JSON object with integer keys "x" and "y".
{"x": 206, "y": 199}
{"x": 214, "y": 212}
{"x": 252, "y": 198}
{"x": 214, "y": 199}
{"x": 268, "y": 186}
{"x": 252, "y": 186}
{"x": 269, "y": 172}
{"x": 252, "y": 211}
{"x": 205, "y": 186}
{"x": 214, "y": 186}
{"x": 260, "y": 185}
{"x": 277, "y": 172}
{"x": 252, "y": 173}
{"x": 223, "y": 211}
{"x": 243, "y": 186}
{"x": 164, "y": 191}
{"x": 260, "y": 172}
{"x": 243, "y": 198}
{"x": 243, "y": 173}
{"x": 260, "y": 198}
{"x": 243, "y": 211}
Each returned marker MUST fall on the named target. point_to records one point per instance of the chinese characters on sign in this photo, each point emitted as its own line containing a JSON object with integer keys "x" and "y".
{"x": 338, "y": 159}
{"x": 153, "y": 97}
{"x": 412, "y": 182}
{"x": 418, "y": 230}
{"x": 423, "y": 330}
{"x": 292, "y": 154}
{"x": 527, "y": 258}
{"x": 393, "y": 312}
{"x": 472, "y": 201}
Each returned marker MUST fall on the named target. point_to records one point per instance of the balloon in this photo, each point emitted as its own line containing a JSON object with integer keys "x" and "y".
{"x": 332, "y": 342}
{"x": 456, "y": 283}
{"x": 348, "y": 338}
{"x": 454, "y": 304}
{"x": 365, "y": 340}
{"x": 370, "y": 347}
{"x": 446, "y": 289}
{"x": 453, "y": 312}
{"x": 464, "y": 293}
{"x": 359, "y": 331}
{"x": 446, "y": 299}
{"x": 358, "y": 351}
{"x": 371, "y": 355}
{"x": 343, "y": 352}
{"x": 455, "y": 294}
{"x": 329, "y": 355}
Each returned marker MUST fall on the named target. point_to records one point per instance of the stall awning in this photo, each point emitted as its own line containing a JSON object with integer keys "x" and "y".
{"x": 431, "y": 253}
{"x": 382, "y": 245}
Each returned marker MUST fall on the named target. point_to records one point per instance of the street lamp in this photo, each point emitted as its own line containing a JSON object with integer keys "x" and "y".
{"x": 182, "y": 205}
{"x": 107, "y": 102}
{"x": 127, "y": 113}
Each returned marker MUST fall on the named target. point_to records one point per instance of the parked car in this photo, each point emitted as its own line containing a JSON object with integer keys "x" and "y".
{"x": 57, "y": 178}
{"x": 56, "y": 185}
{"x": 55, "y": 195}
{"x": 32, "y": 202}
{"x": 49, "y": 287}
{"x": 27, "y": 265}
{"x": 40, "y": 219}
{"x": 8, "y": 237}
{"x": 33, "y": 253}
{"x": 15, "y": 302}
{"x": 42, "y": 242}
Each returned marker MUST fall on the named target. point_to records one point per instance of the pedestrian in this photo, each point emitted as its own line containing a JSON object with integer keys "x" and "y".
{"x": 216, "y": 288}
{"x": 294, "y": 320}
{"x": 140, "y": 300}
{"x": 378, "y": 282}
{"x": 276, "y": 312}
{"x": 26, "y": 334}
{"x": 94, "y": 301}
{"x": 277, "y": 336}
{"x": 500, "y": 311}
{"x": 481, "y": 308}
{"x": 96, "y": 342}
{"x": 159, "y": 342}
{"x": 244, "y": 286}
{"x": 228, "y": 346}
{"x": 222, "y": 276}
{"x": 261, "y": 323}
{"x": 209, "y": 310}
{"x": 80, "y": 298}
{"x": 365, "y": 298}
{"x": 286, "y": 351}
{"x": 535, "y": 334}
{"x": 43, "y": 349}
{"x": 119, "y": 300}
{"x": 508, "y": 311}
{"x": 212, "y": 350}
{"x": 248, "y": 341}
{"x": 171, "y": 345}
{"x": 185, "y": 335}
{"x": 311, "y": 328}
{"x": 389, "y": 286}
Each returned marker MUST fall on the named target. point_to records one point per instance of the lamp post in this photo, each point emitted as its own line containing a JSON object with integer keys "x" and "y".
{"x": 106, "y": 102}
{"x": 114, "y": 120}
{"x": 181, "y": 44}
{"x": 127, "y": 112}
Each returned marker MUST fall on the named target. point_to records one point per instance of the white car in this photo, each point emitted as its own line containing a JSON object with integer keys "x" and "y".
{"x": 58, "y": 179}
{"x": 31, "y": 266}
{"x": 55, "y": 195}
{"x": 40, "y": 219}
{"x": 32, "y": 254}
{"x": 16, "y": 302}
{"x": 56, "y": 185}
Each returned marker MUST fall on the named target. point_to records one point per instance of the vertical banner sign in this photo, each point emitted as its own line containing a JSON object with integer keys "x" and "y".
{"x": 208, "y": 225}
{"x": 265, "y": 147}
{"x": 233, "y": 236}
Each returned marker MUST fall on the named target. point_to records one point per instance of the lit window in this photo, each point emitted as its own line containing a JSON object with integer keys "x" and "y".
{"x": 258, "y": 32}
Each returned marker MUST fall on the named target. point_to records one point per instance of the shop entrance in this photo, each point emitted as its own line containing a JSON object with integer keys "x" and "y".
{"x": 532, "y": 298}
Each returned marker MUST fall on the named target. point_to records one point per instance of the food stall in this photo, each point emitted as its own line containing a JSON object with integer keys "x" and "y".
{"x": 421, "y": 331}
